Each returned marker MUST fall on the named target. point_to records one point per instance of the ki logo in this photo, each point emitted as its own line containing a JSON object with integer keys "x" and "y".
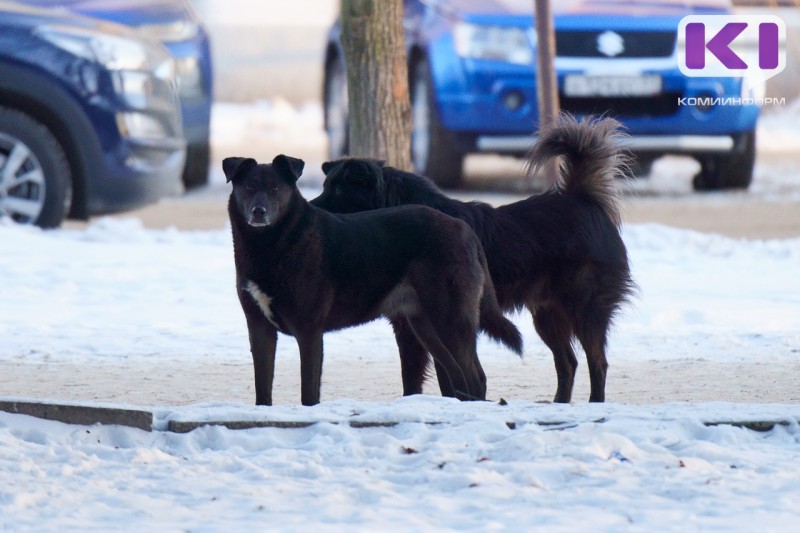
{"x": 751, "y": 47}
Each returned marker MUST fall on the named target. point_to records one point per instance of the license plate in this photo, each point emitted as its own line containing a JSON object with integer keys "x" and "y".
{"x": 637, "y": 85}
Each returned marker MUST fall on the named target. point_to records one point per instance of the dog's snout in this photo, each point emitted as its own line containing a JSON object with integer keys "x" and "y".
{"x": 259, "y": 216}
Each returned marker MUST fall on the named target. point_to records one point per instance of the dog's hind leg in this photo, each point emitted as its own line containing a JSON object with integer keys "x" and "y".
{"x": 592, "y": 332}
{"x": 414, "y": 358}
{"x": 461, "y": 340}
{"x": 466, "y": 384}
{"x": 553, "y": 326}
{"x": 310, "y": 345}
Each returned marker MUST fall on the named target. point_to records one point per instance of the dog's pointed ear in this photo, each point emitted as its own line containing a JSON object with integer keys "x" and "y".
{"x": 288, "y": 166}
{"x": 233, "y": 166}
{"x": 327, "y": 166}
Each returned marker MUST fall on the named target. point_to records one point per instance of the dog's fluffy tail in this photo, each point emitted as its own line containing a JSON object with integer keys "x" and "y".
{"x": 592, "y": 159}
{"x": 492, "y": 321}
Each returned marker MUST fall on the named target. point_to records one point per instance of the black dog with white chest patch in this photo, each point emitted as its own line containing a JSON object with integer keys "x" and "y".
{"x": 558, "y": 254}
{"x": 303, "y": 271}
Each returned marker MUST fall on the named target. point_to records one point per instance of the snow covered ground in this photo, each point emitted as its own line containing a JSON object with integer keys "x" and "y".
{"x": 615, "y": 468}
{"x": 120, "y": 313}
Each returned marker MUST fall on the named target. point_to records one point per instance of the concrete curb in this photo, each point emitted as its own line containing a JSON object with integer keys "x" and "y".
{"x": 175, "y": 426}
{"x": 89, "y": 415}
{"x": 178, "y": 426}
{"x": 81, "y": 414}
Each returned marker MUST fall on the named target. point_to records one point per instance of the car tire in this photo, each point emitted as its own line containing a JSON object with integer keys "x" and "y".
{"x": 42, "y": 191}
{"x": 729, "y": 171}
{"x": 433, "y": 152}
{"x": 195, "y": 171}
{"x": 336, "y": 109}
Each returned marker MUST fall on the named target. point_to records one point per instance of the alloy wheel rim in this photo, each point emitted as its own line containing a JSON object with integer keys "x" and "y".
{"x": 22, "y": 183}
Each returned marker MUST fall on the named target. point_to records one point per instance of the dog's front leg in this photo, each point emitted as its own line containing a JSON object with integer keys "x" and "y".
{"x": 310, "y": 345}
{"x": 263, "y": 341}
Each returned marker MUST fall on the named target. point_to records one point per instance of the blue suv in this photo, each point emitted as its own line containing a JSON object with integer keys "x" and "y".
{"x": 472, "y": 68}
{"x": 89, "y": 117}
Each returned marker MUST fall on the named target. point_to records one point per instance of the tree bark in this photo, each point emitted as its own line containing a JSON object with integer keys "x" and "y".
{"x": 377, "y": 80}
{"x": 546, "y": 83}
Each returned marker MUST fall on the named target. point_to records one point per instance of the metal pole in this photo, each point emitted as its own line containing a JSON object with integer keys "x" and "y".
{"x": 546, "y": 81}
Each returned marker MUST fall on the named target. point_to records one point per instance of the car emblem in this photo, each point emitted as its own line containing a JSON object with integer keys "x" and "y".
{"x": 610, "y": 43}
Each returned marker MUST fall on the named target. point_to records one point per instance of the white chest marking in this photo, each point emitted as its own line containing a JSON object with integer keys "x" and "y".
{"x": 262, "y": 299}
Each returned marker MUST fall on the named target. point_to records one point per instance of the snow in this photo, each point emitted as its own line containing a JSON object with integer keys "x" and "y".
{"x": 276, "y": 14}
{"x": 118, "y": 314}
{"x": 639, "y": 469}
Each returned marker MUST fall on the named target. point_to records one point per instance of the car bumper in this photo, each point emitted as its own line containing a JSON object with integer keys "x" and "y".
{"x": 635, "y": 143}
{"x": 492, "y": 106}
{"x": 196, "y": 118}
{"x": 138, "y": 173}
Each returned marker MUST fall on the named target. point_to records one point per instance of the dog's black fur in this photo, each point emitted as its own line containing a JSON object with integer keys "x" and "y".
{"x": 303, "y": 271}
{"x": 559, "y": 254}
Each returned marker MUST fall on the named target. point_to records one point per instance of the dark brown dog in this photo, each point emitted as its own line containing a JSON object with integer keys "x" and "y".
{"x": 558, "y": 254}
{"x": 303, "y": 271}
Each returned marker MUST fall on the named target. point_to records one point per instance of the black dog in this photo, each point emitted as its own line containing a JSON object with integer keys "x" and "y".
{"x": 559, "y": 254}
{"x": 303, "y": 271}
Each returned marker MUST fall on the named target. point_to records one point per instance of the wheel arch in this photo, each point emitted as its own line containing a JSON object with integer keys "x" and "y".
{"x": 38, "y": 97}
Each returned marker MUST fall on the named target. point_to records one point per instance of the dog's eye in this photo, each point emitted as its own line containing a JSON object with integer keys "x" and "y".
{"x": 273, "y": 190}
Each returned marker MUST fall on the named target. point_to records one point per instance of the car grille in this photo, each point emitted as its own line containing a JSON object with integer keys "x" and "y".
{"x": 649, "y": 106}
{"x": 634, "y": 44}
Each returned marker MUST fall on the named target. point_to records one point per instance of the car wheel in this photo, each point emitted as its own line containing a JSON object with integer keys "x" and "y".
{"x": 729, "y": 171}
{"x": 433, "y": 152}
{"x": 195, "y": 172}
{"x": 35, "y": 184}
{"x": 336, "y": 109}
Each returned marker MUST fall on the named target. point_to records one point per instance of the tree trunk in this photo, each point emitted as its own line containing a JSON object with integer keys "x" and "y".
{"x": 377, "y": 80}
{"x": 546, "y": 83}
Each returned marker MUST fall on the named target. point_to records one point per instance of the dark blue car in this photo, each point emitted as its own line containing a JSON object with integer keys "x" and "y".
{"x": 472, "y": 70}
{"x": 175, "y": 24}
{"x": 89, "y": 117}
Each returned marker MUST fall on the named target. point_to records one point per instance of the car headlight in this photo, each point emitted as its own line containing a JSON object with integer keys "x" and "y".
{"x": 500, "y": 43}
{"x": 115, "y": 52}
{"x": 171, "y": 32}
{"x": 142, "y": 73}
{"x": 190, "y": 77}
